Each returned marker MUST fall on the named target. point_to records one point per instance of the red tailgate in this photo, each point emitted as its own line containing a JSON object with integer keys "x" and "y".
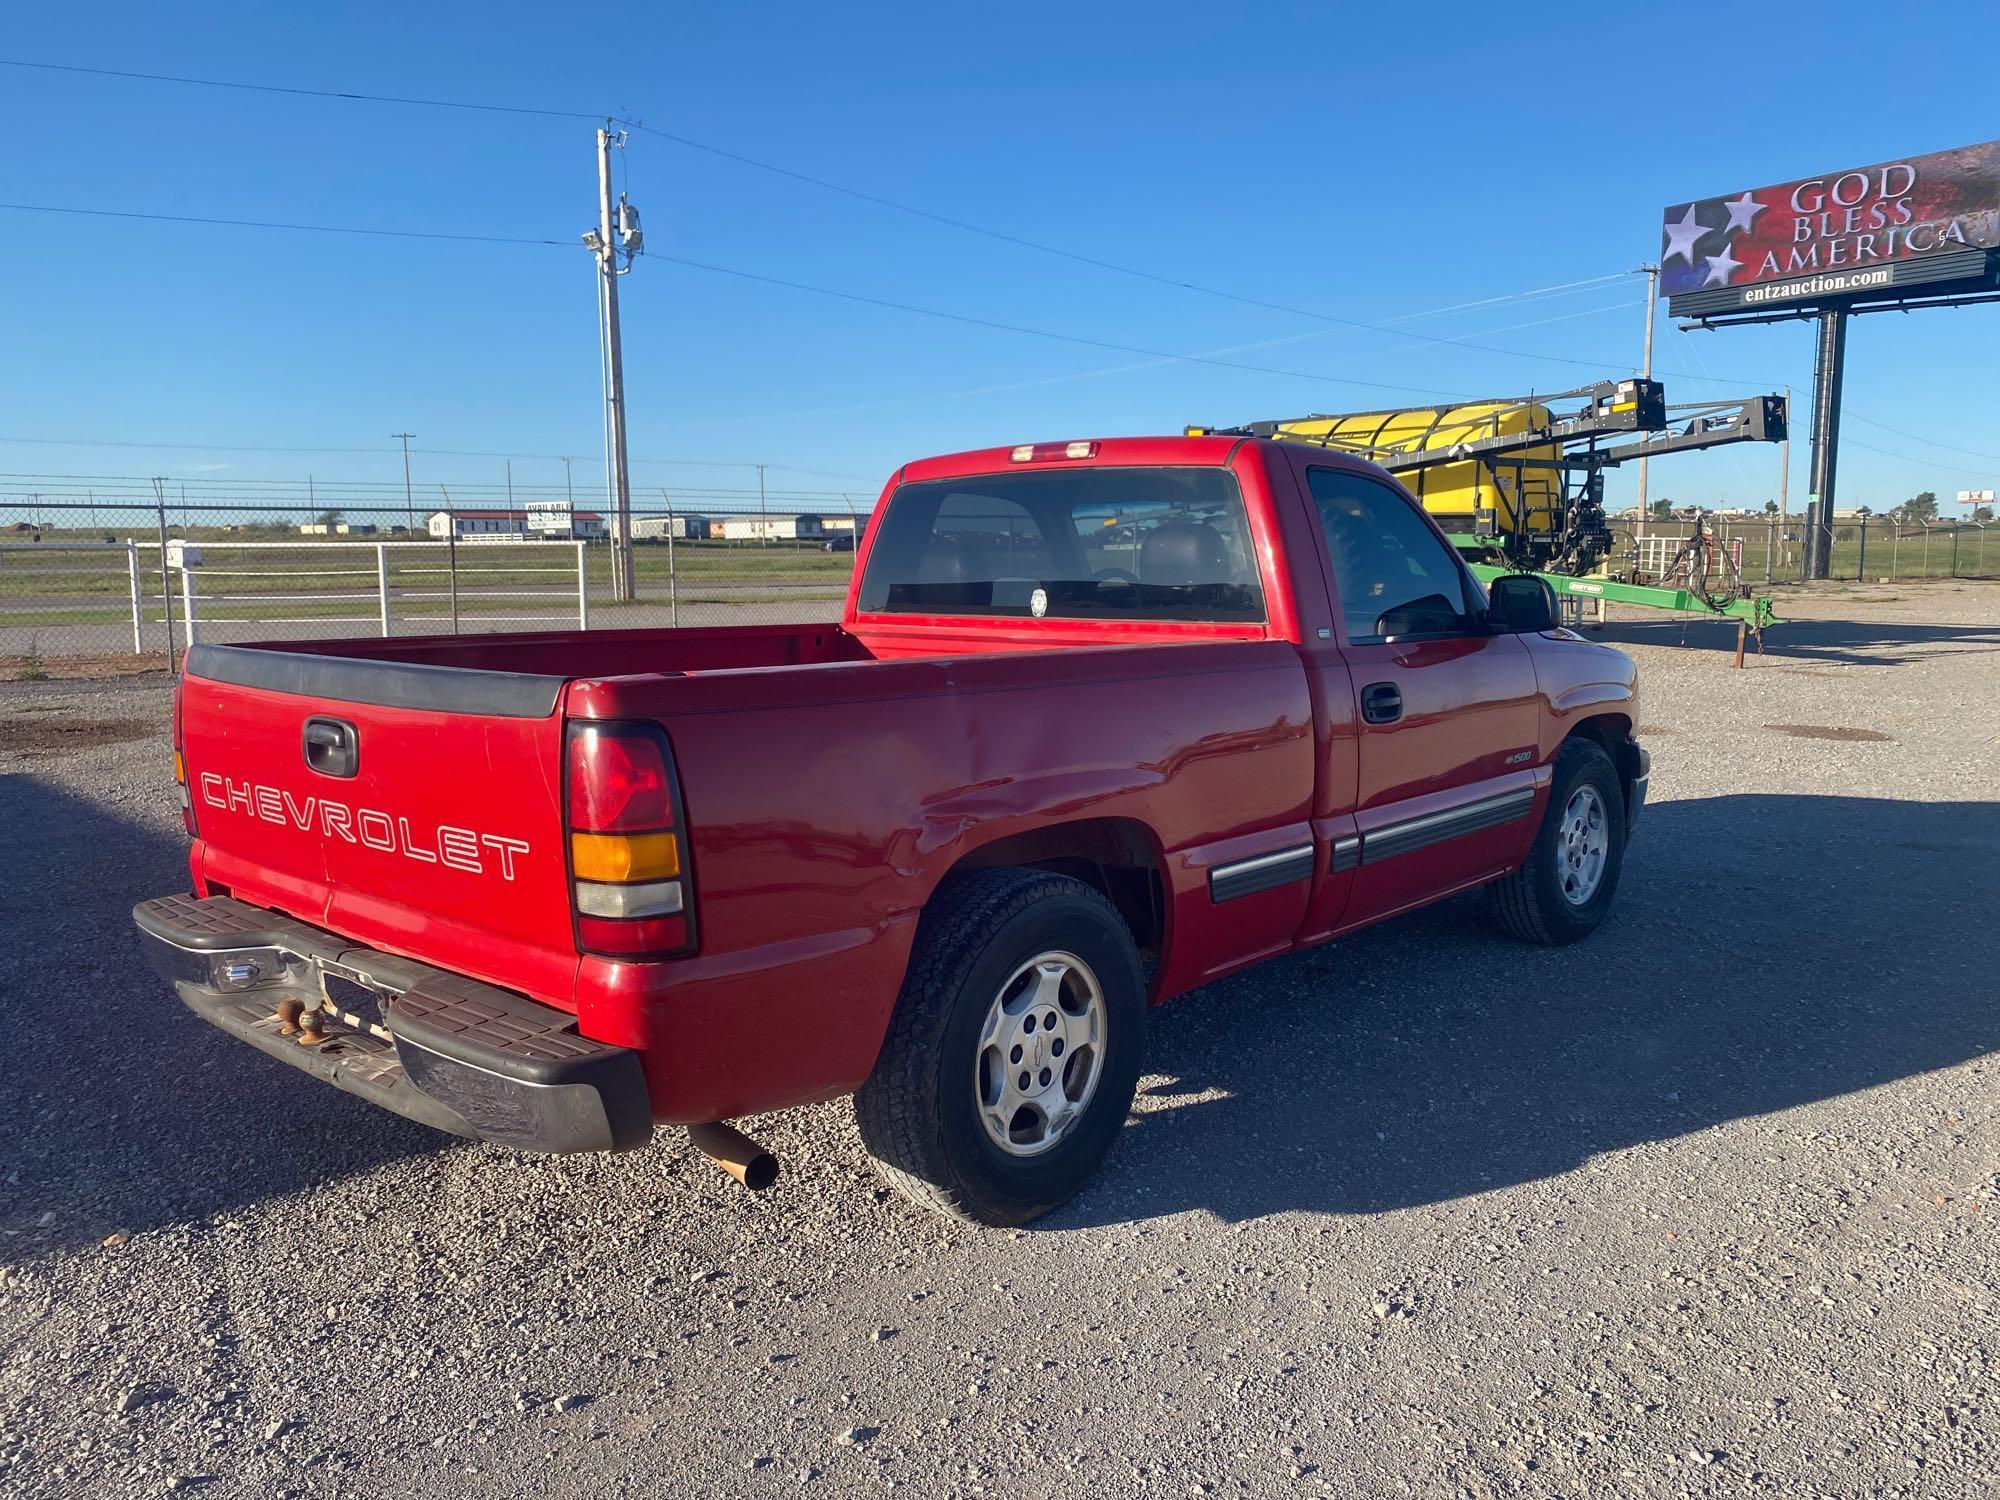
{"x": 444, "y": 844}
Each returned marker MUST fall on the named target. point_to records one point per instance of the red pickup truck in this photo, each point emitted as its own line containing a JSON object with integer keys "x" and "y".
{"x": 1101, "y": 722}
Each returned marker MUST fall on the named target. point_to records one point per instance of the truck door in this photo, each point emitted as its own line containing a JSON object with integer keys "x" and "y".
{"x": 1446, "y": 710}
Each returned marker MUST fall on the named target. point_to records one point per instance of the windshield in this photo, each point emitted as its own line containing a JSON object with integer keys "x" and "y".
{"x": 1069, "y": 544}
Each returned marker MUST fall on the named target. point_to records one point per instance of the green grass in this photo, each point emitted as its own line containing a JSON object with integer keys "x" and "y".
{"x": 59, "y": 574}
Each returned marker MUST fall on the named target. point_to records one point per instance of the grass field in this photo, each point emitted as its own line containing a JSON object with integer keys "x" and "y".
{"x": 337, "y": 565}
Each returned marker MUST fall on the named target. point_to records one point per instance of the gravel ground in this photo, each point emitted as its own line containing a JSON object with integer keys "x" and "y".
{"x": 1700, "y": 1207}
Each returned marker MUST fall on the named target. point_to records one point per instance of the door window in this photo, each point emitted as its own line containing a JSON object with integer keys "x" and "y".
{"x": 1394, "y": 576}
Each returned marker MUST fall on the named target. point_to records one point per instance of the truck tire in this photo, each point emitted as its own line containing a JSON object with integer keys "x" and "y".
{"x": 1564, "y": 888}
{"x": 1014, "y": 1049}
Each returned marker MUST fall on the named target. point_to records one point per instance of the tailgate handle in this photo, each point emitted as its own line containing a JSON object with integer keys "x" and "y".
{"x": 332, "y": 747}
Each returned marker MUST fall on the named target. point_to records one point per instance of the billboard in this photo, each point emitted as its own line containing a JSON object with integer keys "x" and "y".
{"x": 1866, "y": 230}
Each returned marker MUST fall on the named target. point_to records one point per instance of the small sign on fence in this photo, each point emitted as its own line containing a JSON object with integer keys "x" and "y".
{"x": 551, "y": 518}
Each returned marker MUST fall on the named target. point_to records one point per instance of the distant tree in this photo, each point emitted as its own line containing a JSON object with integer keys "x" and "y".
{"x": 1662, "y": 510}
{"x": 1919, "y": 509}
{"x": 328, "y": 518}
{"x": 1982, "y": 512}
{"x": 1770, "y": 507}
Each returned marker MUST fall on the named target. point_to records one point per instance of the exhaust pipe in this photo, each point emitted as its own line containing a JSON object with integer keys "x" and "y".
{"x": 733, "y": 1151}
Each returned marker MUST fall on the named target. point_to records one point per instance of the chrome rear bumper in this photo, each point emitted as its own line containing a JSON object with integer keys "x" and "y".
{"x": 423, "y": 1042}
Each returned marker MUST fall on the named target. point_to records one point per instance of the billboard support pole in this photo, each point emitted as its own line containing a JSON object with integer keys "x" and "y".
{"x": 1652, "y": 274}
{"x": 1828, "y": 370}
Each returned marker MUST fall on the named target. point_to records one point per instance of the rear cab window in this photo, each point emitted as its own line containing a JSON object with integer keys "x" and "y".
{"x": 1151, "y": 543}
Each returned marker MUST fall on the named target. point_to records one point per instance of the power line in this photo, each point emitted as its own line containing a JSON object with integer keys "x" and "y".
{"x": 878, "y": 200}
{"x": 1130, "y": 368}
{"x": 272, "y": 88}
{"x": 1913, "y": 437}
{"x": 778, "y": 281}
{"x": 825, "y": 184}
{"x": 673, "y": 463}
{"x": 1928, "y": 463}
{"x": 1044, "y": 333}
{"x": 895, "y": 306}
{"x": 395, "y": 234}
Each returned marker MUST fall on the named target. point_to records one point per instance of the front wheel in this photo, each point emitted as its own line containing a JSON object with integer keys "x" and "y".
{"x": 1014, "y": 1049}
{"x": 1564, "y": 888}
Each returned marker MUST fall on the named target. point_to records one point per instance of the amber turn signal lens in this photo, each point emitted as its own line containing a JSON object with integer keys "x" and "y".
{"x": 624, "y": 857}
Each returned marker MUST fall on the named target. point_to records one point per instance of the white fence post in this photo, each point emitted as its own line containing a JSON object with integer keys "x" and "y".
{"x": 382, "y": 582}
{"x": 187, "y": 602}
{"x": 132, "y": 568}
{"x": 582, "y": 589}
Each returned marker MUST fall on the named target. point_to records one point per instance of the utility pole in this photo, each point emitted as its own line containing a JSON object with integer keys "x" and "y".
{"x": 166, "y": 578}
{"x": 1652, "y": 274}
{"x": 616, "y": 229}
{"x": 409, "y": 504}
{"x": 1785, "y": 469}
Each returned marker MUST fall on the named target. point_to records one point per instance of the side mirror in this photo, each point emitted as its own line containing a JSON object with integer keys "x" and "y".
{"x": 1520, "y": 604}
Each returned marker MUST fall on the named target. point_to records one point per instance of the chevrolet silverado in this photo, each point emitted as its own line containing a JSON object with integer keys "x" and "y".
{"x": 1101, "y": 722}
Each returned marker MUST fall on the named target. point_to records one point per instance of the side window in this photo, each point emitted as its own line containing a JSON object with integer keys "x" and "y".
{"x": 1394, "y": 577}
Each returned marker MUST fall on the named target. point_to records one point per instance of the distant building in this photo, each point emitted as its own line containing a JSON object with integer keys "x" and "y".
{"x": 824, "y": 526}
{"x": 755, "y": 528}
{"x": 681, "y": 526}
{"x": 512, "y": 525}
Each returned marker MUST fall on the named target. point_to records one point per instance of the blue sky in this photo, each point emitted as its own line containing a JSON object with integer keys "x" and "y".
{"x": 1367, "y": 162}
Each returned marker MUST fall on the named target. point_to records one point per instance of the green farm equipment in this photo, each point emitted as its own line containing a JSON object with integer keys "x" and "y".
{"x": 1517, "y": 484}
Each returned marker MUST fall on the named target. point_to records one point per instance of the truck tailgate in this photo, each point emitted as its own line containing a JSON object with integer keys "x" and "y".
{"x": 426, "y": 823}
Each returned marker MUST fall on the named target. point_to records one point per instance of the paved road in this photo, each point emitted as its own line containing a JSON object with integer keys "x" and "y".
{"x": 1705, "y": 1206}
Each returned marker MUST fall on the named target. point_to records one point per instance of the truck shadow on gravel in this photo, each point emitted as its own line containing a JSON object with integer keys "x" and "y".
{"x": 1765, "y": 952}
{"x": 124, "y": 1112}
{"x": 1860, "y": 643}
{"x": 1411, "y": 1064}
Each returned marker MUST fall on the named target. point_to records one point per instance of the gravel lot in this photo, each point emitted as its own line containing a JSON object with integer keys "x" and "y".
{"x": 1704, "y": 1206}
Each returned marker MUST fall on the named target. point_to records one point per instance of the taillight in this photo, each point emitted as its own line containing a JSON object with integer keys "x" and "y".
{"x": 629, "y": 880}
{"x": 181, "y": 774}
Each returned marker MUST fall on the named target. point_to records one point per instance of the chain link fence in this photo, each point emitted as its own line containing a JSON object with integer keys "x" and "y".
{"x": 1877, "y": 549}
{"x": 120, "y": 584}
{"x": 110, "y": 587}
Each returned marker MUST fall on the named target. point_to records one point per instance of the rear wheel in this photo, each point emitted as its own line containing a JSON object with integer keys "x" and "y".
{"x": 1014, "y": 1050}
{"x": 1564, "y": 888}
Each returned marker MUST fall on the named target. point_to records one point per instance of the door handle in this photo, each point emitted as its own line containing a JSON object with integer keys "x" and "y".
{"x": 331, "y": 746}
{"x": 1381, "y": 703}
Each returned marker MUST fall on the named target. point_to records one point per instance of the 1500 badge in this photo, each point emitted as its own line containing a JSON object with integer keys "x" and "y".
{"x": 464, "y": 849}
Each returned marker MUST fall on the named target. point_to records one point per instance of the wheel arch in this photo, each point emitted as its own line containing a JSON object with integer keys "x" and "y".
{"x": 1612, "y": 732}
{"x": 1120, "y": 858}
